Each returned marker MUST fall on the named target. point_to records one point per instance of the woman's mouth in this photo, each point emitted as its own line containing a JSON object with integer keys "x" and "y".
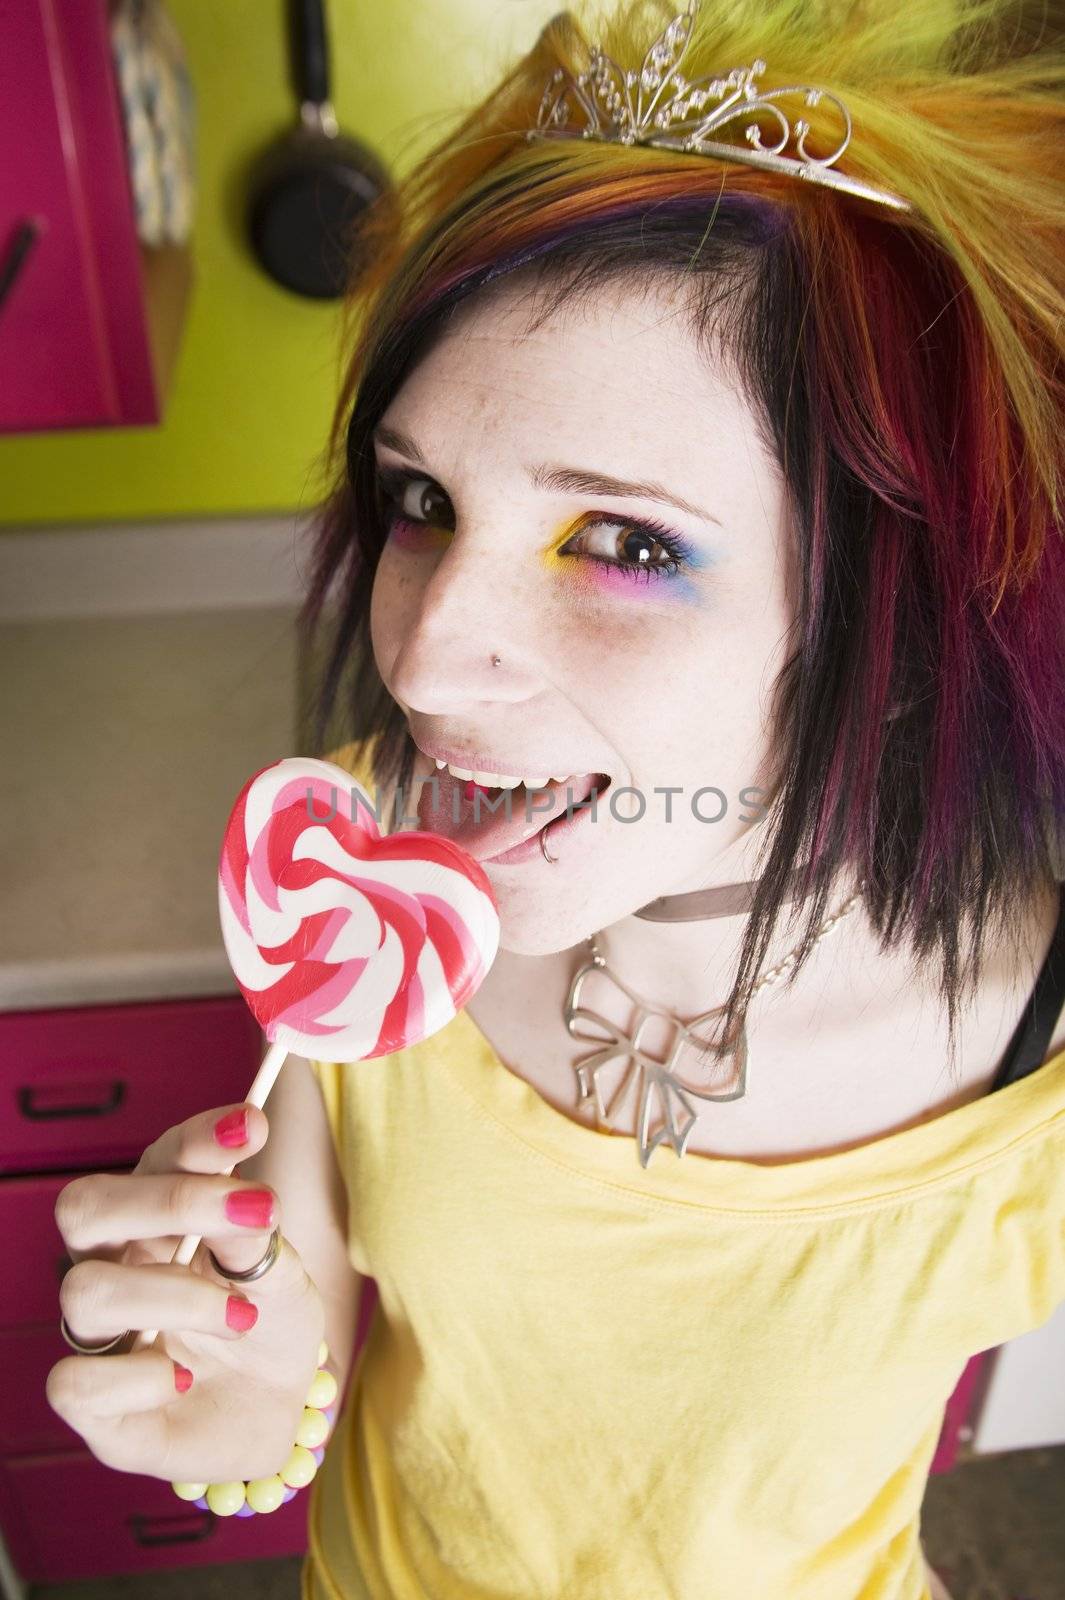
{"x": 502, "y": 824}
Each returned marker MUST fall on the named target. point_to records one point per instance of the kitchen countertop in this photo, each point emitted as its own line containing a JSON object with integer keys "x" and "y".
{"x": 126, "y": 740}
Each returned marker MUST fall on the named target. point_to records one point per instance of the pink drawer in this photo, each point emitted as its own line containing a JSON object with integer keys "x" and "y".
{"x": 32, "y": 1256}
{"x": 67, "y": 1517}
{"x": 91, "y": 1086}
{"x": 27, "y": 1422}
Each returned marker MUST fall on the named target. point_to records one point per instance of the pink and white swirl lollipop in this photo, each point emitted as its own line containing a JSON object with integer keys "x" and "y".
{"x": 342, "y": 941}
{"x": 346, "y": 944}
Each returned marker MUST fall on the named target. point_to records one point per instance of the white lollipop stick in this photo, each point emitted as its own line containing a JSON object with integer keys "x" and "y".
{"x": 265, "y": 1078}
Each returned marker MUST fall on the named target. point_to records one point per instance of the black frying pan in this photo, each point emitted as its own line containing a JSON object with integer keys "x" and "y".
{"x": 310, "y": 189}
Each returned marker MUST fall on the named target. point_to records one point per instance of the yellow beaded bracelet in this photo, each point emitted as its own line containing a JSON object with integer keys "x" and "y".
{"x": 240, "y": 1499}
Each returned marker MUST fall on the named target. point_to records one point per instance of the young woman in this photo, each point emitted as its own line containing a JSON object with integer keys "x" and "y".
{"x": 717, "y": 484}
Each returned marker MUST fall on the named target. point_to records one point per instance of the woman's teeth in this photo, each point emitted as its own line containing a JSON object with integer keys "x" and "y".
{"x": 501, "y": 780}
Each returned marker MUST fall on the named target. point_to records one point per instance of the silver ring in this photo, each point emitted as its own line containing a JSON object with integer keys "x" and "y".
{"x": 543, "y": 848}
{"x": 87, "y": 1349}
{"x": 260, "y": 1269}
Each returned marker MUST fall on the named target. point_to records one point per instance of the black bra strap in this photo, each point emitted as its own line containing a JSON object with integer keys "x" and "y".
{"x": 1028, "y": 1047}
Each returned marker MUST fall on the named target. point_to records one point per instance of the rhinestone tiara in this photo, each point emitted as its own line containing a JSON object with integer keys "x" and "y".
{"x": 658, "y": 106}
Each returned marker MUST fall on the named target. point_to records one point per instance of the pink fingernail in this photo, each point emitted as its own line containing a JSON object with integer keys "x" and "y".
{"x": 232, "y": 1129}
{"x": 182, "y": 1378}
{"x": 252, "y": 1208}
{"x": 241, "y": 1314}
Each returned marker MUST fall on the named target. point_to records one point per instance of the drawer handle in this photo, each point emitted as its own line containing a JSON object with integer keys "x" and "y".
{"x": 172, "y": 1530}
{"x": 40, "y": 1113}
{"x": 26, "y": 235}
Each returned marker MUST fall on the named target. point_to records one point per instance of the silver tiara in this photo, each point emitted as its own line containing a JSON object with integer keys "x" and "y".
{"x": 658, "y": 106}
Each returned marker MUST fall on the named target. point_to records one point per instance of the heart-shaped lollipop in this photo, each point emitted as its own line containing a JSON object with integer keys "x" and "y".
{"x": 343, "y": 942}
{"x": 346, "y": 944}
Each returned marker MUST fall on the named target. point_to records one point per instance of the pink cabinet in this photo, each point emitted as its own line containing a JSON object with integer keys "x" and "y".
{"x": 89, "y": 319}
{"x": 82, "y": 1089}
{"x": 956, "y": 1430}
{"x": 65, "y": 1516}
{"x": 90, "y": 1086}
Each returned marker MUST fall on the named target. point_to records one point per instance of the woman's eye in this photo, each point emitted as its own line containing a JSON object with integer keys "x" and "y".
{"x": 638, "y": 550}
{"x": 411, "y": 499}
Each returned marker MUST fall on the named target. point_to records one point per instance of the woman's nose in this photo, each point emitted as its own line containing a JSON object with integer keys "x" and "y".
{"x": 465, "y": 614}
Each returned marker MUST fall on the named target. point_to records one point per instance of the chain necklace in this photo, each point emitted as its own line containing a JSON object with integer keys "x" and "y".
{"x": 660, "y": 1082}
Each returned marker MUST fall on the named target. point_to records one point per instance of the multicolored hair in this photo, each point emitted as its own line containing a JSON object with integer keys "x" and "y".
{"x": 908, "y": 368}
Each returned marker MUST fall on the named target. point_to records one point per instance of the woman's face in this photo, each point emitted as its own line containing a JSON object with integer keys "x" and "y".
{"x": 647, "y": 653}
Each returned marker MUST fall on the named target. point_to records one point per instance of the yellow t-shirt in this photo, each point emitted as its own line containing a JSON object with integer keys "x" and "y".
{"x": 706, "y": 1380}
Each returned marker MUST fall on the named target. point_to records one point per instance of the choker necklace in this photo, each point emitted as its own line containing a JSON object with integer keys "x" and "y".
{"x": 723, "y": 900}
{"x": 661, "y": 1078}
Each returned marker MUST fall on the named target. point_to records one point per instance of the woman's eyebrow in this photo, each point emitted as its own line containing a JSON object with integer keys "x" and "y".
{"x": 565, "y": 480}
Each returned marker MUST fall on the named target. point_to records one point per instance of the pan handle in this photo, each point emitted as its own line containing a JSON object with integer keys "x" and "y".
{"x": 310, "y": 51}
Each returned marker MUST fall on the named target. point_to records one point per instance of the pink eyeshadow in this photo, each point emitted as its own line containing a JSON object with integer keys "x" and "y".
{"x": 606, "y": 581}
{"x": 416, "y": 538}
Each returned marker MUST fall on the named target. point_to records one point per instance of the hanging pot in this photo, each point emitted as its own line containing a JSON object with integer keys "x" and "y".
{"x": 311, "y": 189}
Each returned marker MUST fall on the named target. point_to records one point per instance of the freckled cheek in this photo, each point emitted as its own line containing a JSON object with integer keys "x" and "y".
{"x": 382, "y": 626}
{"x": 399, "y": 582}
{"x": 394, "y": 605}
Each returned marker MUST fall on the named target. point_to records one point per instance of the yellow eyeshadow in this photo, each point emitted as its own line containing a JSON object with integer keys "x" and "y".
{"x": 550, "y": 557}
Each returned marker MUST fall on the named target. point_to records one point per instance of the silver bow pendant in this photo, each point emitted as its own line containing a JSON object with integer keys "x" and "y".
{"x": 661, "y": 1085}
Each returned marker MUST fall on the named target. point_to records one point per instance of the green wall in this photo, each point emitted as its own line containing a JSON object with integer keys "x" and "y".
{"x": 249, "y": 408}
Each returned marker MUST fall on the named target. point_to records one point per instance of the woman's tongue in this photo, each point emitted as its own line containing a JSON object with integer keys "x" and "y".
{"x": 485, "y": 822}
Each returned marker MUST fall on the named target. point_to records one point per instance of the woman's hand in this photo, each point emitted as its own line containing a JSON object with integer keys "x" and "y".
{"x": 250, "y": 1375}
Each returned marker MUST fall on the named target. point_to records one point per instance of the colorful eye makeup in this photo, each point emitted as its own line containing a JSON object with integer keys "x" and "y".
{"x": 607, "y": 553}
{"x": 621, "y": 555}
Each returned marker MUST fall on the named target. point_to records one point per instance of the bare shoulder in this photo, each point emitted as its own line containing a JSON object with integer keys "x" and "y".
{"x": 1009, "y": 975}
{"x": 874, "y": 1048}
